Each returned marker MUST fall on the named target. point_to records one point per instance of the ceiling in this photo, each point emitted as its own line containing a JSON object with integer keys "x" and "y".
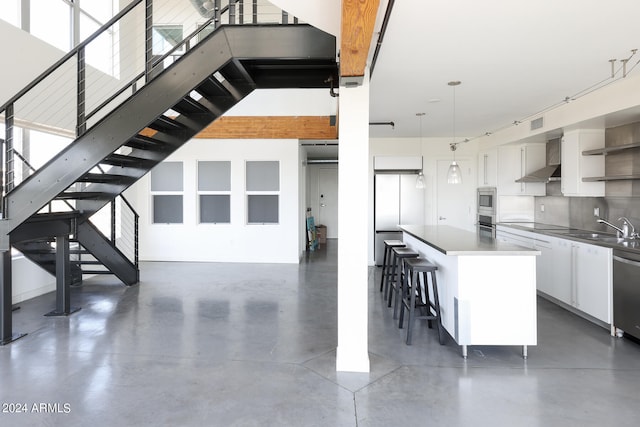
{"x": 514, "y": 59}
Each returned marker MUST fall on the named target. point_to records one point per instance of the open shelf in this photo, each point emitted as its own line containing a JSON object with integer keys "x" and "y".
{"x": 607, "y": 150}
{"x": 610, "y": 178}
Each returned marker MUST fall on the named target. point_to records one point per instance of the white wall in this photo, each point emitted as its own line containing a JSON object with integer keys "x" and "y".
{"x": 29, "y": 280}
{"x": 235, "y": 242}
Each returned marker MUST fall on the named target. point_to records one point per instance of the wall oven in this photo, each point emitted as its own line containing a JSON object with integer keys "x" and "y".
{"x": 486, "y": 211}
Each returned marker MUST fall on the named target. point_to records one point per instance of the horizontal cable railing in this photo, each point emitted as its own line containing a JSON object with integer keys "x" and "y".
{"x": 106, "y": 69}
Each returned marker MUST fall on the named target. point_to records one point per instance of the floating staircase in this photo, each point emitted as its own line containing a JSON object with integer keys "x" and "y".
{"x": 170, "y": 109}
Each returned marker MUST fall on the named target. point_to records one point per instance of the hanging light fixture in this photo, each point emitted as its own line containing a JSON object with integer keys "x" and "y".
{"x": 420, "y": 178}
{"x": 454, "y": 174}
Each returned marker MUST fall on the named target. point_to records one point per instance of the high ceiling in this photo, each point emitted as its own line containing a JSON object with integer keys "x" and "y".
{"x": 514, "y": 58}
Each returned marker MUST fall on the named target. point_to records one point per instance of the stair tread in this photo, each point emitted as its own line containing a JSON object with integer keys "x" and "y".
{"x": 76, "y": 195}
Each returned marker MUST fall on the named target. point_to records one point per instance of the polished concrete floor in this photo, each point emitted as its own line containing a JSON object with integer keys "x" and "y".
{"x": 199, "y": 344}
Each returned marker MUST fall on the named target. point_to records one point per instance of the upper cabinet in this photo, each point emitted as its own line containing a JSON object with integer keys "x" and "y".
{"x": 488, "y": 168}
{"x": 575, "y": 165}
{"x": 516, "y": 161}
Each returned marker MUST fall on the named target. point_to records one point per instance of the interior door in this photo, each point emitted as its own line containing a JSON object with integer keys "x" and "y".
{"x": 328, "y": 200}
{"x": 456, "y": 202}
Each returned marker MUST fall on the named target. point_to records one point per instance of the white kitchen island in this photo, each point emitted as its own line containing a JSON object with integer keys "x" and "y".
{"x": 487, "y": 288}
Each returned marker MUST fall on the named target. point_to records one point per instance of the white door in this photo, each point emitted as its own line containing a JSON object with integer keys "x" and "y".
{"x": 456, "y": 202}
{"x": 328, "y": 200}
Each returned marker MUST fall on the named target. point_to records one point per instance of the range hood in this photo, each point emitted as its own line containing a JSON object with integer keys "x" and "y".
{"x": 551, "y": 172}
{"x": 546, "y": 174}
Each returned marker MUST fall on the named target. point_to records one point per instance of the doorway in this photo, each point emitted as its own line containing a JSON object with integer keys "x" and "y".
{"x": 328, "y": 200}
{"x": 456, "y": 202}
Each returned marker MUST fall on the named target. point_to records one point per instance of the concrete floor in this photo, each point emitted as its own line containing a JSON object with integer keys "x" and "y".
{"x": 199, "y": 344}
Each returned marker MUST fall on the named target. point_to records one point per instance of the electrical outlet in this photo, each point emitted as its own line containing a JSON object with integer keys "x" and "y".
{"x": 596, "y": 212}
{"x": 541, "y": 208}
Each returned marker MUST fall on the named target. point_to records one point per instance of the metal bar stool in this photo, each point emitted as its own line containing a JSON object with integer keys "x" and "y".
{"x": 413, "y": 298}
{"x": 384, "y": 279}
{"x": 398, "y": 255}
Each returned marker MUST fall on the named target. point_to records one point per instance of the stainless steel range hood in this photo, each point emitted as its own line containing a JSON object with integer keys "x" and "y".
{"x": 551, "y": 172}
{"x": 546, "y": 174}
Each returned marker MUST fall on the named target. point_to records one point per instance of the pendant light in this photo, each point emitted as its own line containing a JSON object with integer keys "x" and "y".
{"x": 420, "y": 178}
{"x": 454, "y": 174}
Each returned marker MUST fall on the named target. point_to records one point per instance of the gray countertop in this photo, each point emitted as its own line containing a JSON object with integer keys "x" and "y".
{"x": 456, "y": 241}
{"x": 631, "y": 245}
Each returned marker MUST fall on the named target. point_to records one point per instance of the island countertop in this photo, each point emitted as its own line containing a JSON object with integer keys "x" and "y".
{"x": 455, "y": 241}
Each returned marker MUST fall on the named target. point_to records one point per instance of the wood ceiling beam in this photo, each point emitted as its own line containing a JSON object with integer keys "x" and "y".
{"x": 271, "y": 127}
{"x": 358, "y": 20}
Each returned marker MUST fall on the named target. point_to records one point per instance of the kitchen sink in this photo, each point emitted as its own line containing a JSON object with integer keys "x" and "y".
{"x": 590, "y": 235}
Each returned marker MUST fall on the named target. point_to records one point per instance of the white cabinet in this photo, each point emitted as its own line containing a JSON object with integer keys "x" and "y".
{"x": 488, "y": 168}
{"x": 516, "y": 161}
{"x": 574, "y": 273}
{"x": 592, "y": 280}
{"x": 575, "y": 166}
{"x": 561, "y": 266}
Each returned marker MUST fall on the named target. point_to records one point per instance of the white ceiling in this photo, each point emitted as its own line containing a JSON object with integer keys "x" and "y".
{"x": 515, "y": 58}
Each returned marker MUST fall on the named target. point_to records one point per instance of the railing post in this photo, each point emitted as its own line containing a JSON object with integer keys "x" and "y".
{"x": 136, "y": 243}
{"x": 8, "y": 151}
{"x": 241, "y": 12}
{"x": 113, "y": 222}
{"x": 285, "y": 17}
{"x": 255, "y": 12}
{"x": 232, "y": 12}
{"x": 216, "y": 13}
{"x": 148, "y": 31}
{"x": 81, "y": 124}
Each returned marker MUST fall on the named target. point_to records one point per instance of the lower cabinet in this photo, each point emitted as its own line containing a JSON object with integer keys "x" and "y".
{"x": 592, "y": 280}
{"x": 575, "y": 273}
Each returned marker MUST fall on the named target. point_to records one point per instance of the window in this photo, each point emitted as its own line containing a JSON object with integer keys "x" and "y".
{"x": 166, "y": 192}
{"x": 10, "y": 12}
{"x": 46, "y": 12}
{"x": 214, "y": 192}
{"x": 263, "y": 188}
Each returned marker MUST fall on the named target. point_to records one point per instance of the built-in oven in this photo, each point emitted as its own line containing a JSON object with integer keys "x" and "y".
{"x": 486, "y": 225}
{"x": 486, "y": 211}
{"x": 487, "y": 201}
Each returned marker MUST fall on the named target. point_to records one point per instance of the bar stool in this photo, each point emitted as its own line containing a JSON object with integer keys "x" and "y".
{"x": 398, "y": 255}
{"x": 413, "y": 298}
{"x": 388, "y": 245}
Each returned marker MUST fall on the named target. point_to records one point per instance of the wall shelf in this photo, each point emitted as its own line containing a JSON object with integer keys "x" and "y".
{"x": 610, "y": 178}
{"x": 607, "y": 150}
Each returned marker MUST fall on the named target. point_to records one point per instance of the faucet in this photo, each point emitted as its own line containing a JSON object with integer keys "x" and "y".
{"x": 625, "y": 228}
{"x": 624, "y": 231}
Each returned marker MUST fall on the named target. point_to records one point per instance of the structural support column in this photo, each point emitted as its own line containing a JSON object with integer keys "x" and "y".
{"x": 6, "y": 326}
{"x": 353, "y": 183}
{"x": 63, "y": 279}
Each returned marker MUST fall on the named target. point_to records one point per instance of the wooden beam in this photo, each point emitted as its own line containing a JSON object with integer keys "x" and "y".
{"x": 270, "y": 127}
{"x": 358, "y": 20}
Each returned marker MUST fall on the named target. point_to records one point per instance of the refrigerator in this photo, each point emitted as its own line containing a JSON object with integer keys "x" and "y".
{"x": 397, "y": 201}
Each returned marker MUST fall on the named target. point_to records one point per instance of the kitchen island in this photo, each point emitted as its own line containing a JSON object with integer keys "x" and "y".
{"x": 487, "y": 288}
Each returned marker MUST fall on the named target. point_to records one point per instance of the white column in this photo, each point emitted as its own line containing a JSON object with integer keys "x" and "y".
{"x": 353, "y": 153}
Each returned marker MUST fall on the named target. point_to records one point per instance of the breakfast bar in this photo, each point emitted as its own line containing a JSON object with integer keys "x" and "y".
{"x": 487, "y": 288}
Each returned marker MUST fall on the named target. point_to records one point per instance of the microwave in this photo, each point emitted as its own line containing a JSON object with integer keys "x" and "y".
{"x": 487, "y": 200}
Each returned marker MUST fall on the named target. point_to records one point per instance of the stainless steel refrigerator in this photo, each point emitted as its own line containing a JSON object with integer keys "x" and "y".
{"x": 397, "y": 201}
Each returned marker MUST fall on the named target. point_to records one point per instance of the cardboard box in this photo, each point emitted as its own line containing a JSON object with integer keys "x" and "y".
{"x": 321, "y": 232}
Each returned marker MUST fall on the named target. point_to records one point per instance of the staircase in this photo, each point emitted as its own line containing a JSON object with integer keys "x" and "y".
{"x": 106, "y": 158}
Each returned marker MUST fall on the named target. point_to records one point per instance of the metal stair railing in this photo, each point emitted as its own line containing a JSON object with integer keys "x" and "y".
{"x": 76, "y": 92}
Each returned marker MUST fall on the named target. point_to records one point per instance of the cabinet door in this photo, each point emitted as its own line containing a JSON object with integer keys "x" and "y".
{"x": 593, "y": 280}
{"x": 514, "y": 162}
{"x": 544, "y": 267}
{"x": 575, "y": 166}
{"x": 488, "y": 168}
{"x": 562, "y": 280}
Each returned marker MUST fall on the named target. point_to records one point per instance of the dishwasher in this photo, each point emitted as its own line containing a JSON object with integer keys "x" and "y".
{"x": 626, "y": 291}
